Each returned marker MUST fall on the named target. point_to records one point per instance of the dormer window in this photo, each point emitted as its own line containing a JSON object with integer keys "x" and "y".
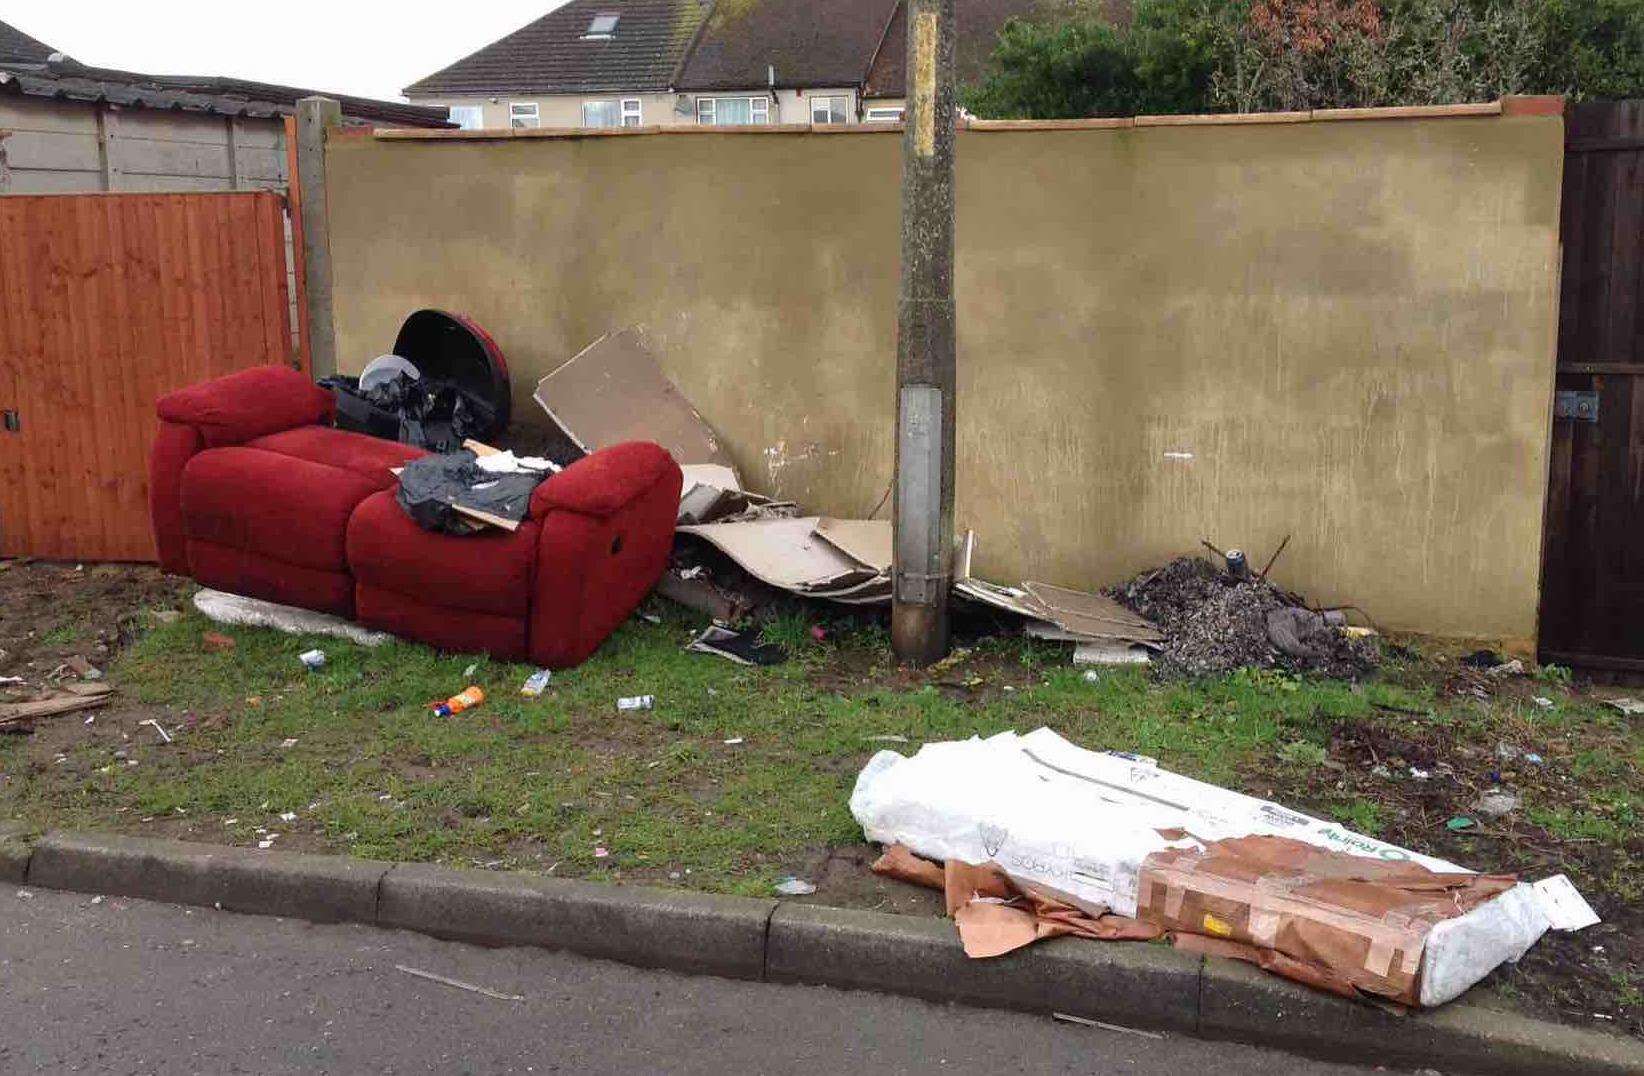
{"x": 602, "y": 27}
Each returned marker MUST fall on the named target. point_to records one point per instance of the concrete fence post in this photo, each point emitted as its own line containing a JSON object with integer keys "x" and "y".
{"x": 315, "y": 117}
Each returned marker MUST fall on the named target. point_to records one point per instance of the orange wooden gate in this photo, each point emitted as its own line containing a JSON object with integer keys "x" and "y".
{"x": 108, "y": 301}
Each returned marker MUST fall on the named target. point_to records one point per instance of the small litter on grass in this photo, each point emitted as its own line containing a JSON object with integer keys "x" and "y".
{"x": 466, "y": 699}
{"x": 536, "y": 683}
{"x": 636, "y": 702}
{"x": 458, "y": 984}
{"x": 1508, "y": 668}
{"x": 1069, "y": 1018}
{"x": 650, "y": 618}
{"x": 215, "y": 642}
{"x": 289, "y": 741}
{"x": 268, "y": 841}
{"x": 888, "y": 737}
{"x": 313, "y": 660}
{"x": 24, "y": 894}
{"x": 1626, "y": 704}
{"x": 794, "y": 887}
{"x": 288, "y": 816}
{"x": 1497, "y": 803}
{"x": 600, "y": 852}
{"x": 164, "y": 735}
{"x": 733, "y": 741}
{"x": 1543, "y": 701}
{"x": 1482, "y": 659}
{"x": 468, "y": 673}
{"x": 9, "y": 681}
{"x": 1459, "y": 823}
{"x": 744, "y": 648}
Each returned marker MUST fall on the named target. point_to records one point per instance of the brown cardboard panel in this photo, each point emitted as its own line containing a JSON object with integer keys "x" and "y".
{"x": 614, "y": 391}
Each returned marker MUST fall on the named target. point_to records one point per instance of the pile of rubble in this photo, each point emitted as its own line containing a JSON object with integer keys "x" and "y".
{"x": 1215, "y": 621}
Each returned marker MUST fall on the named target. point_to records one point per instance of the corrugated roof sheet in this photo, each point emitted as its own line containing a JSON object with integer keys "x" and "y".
{"x": 187, "y": 93}
{"x": 16, "y": 45}
{"x": 809, "y": 42}
{"x": 553, "y": 55}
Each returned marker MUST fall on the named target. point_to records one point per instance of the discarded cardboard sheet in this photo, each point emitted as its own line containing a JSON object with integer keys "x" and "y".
{"x": 786, "y": 553}
{"x": 1091, "y": 615}
{"x": 867, "y": 541}
{"x": 614, "y": 391}
{"x": 1086, "y": 828}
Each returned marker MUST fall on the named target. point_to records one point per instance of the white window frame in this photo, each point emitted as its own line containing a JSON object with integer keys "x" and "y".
{"x": 596, "y": 32}
{"x": 632, "y": 109}
{"x": 524, "y": 114}
{"x": 759, "y": 110}
{"x": 471, "y": 118}
{"x": 886, "y": 114}
{"x": 827, "y": 100}
{"x": 616, "y": 112}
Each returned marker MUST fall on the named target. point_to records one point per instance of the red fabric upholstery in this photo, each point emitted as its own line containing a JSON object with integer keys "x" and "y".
{"x": 234, "y": 409}
{"x": 250, "y": 496}
{"x": 444, "y": 628}
{"x": 606, "y": 481}
{"x": 594, "y": 570}
{"x": 371, "y": 458}
{"x": 488, "y": 572}
{"x": 240, "y": 572}
{"x": 275, "y": 506}
{"x": 173, "y": 447}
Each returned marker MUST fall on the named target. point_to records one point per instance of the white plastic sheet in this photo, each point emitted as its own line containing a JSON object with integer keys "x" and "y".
{"x": 1079, "y": 823}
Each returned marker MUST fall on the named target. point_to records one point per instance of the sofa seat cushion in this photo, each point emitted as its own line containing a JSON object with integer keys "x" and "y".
{"x": 489, "y": 572}
{"x": 286, "y": 509}
{"x": 237, "y": 571}
{"x": 460, "y": 631}
{"x": 371, "y": 458}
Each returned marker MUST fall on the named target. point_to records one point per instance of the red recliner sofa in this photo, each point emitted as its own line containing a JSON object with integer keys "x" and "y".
{"x": 253, "y": 492}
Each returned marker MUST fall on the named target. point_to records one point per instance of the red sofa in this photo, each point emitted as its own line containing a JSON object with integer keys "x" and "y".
{"x": 252, "y": 492}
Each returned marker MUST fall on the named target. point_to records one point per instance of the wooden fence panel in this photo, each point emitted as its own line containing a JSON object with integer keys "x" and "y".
{"x": 1592, "y": 608}
{"x": 108, "y": 301}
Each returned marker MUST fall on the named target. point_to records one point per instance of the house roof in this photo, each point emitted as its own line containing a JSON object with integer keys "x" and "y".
{"x": 553, "y": 55}
{"x": 16, "y": 45}
{"x": 67, "y": 80}
{"x": 977, "y": 26}
{"x": 808, "y": 43}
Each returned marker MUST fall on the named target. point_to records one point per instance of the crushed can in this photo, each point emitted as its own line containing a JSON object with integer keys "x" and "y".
{"x": 535, "y": 684}
{"x": 636, "y": 702}
{"x": 312, "y": 659}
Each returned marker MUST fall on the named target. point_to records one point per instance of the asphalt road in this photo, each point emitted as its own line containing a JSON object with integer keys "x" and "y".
{"x": 125, "y": 986}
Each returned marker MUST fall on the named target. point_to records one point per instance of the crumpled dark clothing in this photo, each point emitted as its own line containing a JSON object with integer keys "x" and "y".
{"x": 432, "y": 487}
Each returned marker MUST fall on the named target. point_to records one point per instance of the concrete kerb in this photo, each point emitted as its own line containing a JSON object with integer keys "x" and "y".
{"x": 1135, "y": 985}
{"x": 16, "y": 846}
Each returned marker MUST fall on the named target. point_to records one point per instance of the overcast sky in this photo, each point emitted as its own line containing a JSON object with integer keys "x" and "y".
{"x": 372, "y": 48}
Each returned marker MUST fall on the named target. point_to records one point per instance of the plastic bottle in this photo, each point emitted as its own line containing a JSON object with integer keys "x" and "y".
{"x": 456, "y": 704}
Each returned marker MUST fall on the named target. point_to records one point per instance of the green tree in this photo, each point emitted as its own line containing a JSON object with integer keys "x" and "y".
{"x": 1267, "y": 55}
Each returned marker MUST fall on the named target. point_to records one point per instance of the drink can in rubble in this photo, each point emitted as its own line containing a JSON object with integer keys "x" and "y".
{"x": 636, "y": 702}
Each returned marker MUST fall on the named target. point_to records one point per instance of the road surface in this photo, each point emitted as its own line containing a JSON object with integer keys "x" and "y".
{"x": 111, "y": 985}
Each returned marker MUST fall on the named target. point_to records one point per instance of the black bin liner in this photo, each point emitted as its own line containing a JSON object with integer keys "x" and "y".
{"x": 463, "y": 391}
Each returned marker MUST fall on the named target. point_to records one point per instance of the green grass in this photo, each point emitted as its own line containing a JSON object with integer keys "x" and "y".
{"x": 541, "y": 784}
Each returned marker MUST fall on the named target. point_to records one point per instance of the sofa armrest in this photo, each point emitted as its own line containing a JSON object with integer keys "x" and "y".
{"x": 601, "y": 484}
{"x": 243, "y": 406}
